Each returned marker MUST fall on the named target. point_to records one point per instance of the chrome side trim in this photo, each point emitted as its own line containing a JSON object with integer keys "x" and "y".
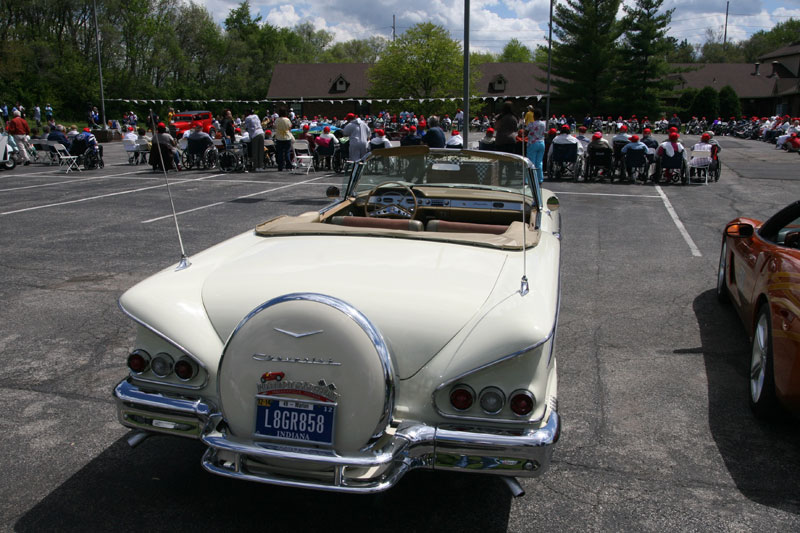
{"x": 478, "y": 369}
{"x": 162, "y": 335}
{"x": 362, "y": 321}
{"x": 183, "y": 350}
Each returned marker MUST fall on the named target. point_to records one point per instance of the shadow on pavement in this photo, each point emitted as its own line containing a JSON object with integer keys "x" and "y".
{"x": 160, "y": 486}
{"x": 763, "y": 458}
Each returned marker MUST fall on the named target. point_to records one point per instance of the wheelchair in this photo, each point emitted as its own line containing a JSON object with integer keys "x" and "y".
{"x": 619, "y": 161}
{"x": 637, "y": 165}
{"x": 564, "y": 161}
{"x": 199, "y": 154}
{"x": 235, "y": 157}
{"x": 92, "y": 159}
{"x": 672, "y": 169}
{"x": 599, "y": 163}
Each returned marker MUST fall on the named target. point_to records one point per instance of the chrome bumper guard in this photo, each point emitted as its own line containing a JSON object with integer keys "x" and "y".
{"x": 413, "y": 445}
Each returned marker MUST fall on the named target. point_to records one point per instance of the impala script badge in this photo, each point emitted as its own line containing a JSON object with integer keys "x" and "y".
{"x": 299, "y": 360}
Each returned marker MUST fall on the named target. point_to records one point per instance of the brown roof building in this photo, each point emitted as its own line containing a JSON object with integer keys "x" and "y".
{"x": 339, "y": 88}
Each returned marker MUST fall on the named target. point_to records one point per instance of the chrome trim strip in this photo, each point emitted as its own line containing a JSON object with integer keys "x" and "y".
{"x": 362, "y": 321}
{"x": 297, "y": 335}
{"x": 129, "y": 393}
{"x": 513, "y": 452}
{"x": 163, "y": 336}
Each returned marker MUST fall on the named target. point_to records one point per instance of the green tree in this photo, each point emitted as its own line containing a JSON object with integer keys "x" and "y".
{"x": 479, "y": 58}
{"x": 515, "y": 52}
{"x": 715, "y": 51}
{"x": 685, "y": 102}
{"x": 643, "y": 68}
{"x": 540, "y": 55}
{"x": 705, "y": 104}
{"x": 423, "y": 62}
{"x": 355, "y": 51}
{"x": 729, "y": 104}
{"x": 680, "y": 52}
{"x": 584, "y": 53}
{"x": 765, "y": 41}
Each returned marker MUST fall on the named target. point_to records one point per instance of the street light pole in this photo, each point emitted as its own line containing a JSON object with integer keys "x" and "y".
{"x": 466, "y": 75}
{"x": 99, "y": 66}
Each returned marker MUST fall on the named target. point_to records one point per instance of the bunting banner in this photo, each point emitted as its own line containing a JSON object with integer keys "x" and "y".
{"x": 302, "y": 100}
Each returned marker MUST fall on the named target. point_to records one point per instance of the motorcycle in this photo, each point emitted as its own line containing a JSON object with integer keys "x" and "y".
{"x": 8, "y": 152}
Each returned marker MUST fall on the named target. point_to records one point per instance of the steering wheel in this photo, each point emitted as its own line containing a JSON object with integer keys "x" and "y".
{"x": 396, "y": 209}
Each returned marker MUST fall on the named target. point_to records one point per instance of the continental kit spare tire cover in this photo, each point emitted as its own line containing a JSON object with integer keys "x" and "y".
{"x": 320, "y": 352}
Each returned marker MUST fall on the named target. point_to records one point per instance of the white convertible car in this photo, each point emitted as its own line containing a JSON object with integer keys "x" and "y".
{"x": 410, "y": 324}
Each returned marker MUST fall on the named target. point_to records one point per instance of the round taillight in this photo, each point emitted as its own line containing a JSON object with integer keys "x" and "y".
{"x": 492, "y": 400}
{"x": 162, "y": 365}
{"x": 139, "y": 361}
{"x": 462, "y": 397}
{"x": 521, "y": 402}
{"x": 185, "y": 369}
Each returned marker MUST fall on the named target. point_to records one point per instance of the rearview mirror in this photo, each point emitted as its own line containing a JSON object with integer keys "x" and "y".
{"x": 739, "y": 230}
{"x": 552, "y": 203}
{"x": 333, "y": 192}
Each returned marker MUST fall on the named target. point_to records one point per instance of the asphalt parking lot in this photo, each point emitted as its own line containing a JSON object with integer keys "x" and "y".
{"x": 652, "y": 370}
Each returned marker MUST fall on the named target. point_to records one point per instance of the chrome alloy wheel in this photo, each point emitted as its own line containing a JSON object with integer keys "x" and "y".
{"x": 758, "y": 360}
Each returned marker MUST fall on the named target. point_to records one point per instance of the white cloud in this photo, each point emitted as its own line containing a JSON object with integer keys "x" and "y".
{"x": 495, "y": 22}
{"x": 283, "y": 17}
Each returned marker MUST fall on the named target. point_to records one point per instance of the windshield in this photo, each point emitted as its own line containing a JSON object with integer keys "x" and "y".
{"x": 186, "y": 118}
{"x": 443, "y": 168}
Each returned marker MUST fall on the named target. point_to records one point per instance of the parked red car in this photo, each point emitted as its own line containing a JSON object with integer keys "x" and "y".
{"x": 187, "y": 119}
{"x": 759, "y": 273}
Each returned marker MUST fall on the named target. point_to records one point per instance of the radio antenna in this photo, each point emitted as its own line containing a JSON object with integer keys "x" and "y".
{"x": 523, "y": 286}
{"x": 184, "y": 262}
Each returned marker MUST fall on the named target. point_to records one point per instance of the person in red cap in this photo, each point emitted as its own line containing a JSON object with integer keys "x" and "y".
{"x": 305, "y": 135}
{"x": 412, "y": 139}
{"x": 358, "y": 134}
{"x": 326, "y": 145}
{"x": 487, "y": 142}
{"x": 793, "y": 144}
{"x": 455, "y": 141}
{"x": 671, "y": 147}
{"x": 635, "y": 145}
{"x": 86, "y": 140}
{"x": 167, "y": 143}
{"x": 621, "y": 136}
{"x": 700, "y": 164}
{"x": 787, "y": 131}
{"x": 565, "y": 137}
{"x": 379, "y": 141}
{"x": 598, "y": 141}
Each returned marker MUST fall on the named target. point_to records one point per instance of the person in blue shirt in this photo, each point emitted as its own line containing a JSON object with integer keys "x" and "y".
{"x": 634, "y": 144}
{"x": 59, "y": 136}
{"x": 434, "y": 137}
{"x": 412, "y": 138}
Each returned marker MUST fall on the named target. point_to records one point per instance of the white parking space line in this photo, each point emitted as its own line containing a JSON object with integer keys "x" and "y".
{"x": 681, "y": 228}
{"x": 609, "y": 194}
{"x": 200, "y": 208}
{"x": 67, "y": 181}
{"x": 88, "y": 198}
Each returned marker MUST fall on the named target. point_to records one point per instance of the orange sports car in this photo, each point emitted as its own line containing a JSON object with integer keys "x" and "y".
{"x": 759, "y": 273}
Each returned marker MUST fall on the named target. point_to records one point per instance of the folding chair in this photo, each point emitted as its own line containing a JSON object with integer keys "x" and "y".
{"x": 130, "y": 148}
{"x": 302, "y": 156}
{"x": 64, "y": 158}
{"x": 142, "y": 150}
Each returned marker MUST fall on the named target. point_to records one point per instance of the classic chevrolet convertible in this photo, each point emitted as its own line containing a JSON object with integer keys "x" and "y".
{"x": 410, "y": 324}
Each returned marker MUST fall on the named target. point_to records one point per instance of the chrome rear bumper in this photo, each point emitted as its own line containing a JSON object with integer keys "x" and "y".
{"x": 524, "y": 453}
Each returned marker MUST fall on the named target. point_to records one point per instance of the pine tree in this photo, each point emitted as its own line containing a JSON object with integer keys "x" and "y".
{"x": 584, "y": 50}
{"x": 729, "y": 104}
{"x": 643, "y": 66}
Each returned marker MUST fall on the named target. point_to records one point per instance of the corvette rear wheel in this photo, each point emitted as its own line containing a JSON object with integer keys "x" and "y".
{"x": 762, "y": 377}
{"x": 722, "y": 275}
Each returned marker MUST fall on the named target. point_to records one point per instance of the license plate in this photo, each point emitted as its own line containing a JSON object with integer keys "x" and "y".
{"x": 295, "y": 420}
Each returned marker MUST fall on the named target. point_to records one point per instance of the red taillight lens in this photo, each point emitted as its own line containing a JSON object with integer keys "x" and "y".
{"x": 462, "y": 397}
{"x": 521, "y": 403}
{"x": 139, "y": 361}
{"x": 184, "y": 369}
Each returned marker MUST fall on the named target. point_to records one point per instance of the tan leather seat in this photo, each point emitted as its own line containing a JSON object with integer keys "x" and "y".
{"x": 465, "y": 227}
{"x": 381, "y": 223}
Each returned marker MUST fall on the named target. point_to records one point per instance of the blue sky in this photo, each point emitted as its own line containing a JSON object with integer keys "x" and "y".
{"x": 494, "y": 22}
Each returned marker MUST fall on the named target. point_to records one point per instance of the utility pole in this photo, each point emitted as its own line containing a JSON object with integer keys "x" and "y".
{"x": 394, "y": 28}
{"x": 99, "y": 66}
{"x": 466, "y": 74}
{"x": 725, "y": 36}
{"x": 549, "y": 62}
